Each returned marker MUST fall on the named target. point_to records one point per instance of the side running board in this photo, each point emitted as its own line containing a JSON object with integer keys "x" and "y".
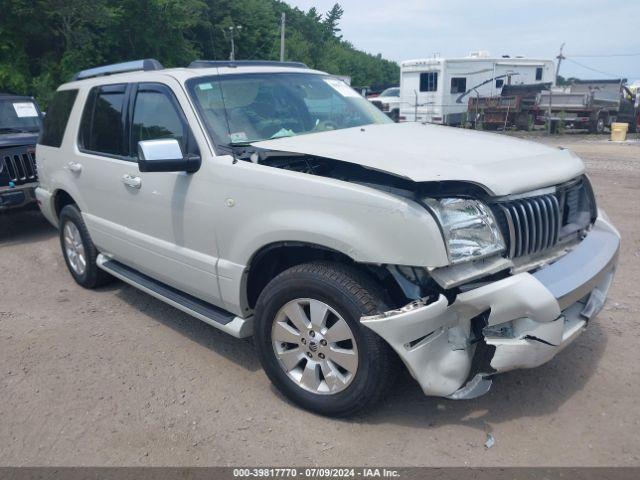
{"x": 208, "y": 313}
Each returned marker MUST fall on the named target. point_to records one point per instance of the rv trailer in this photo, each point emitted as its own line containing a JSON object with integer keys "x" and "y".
{"x": 437, "y": 90}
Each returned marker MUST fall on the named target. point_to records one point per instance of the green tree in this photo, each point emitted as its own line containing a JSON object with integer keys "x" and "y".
{"x": 43, "y": 42}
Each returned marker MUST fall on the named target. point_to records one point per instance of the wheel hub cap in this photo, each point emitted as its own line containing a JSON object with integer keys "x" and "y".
{"x": 315, "y": 346}
{"x": 74, "y": 248}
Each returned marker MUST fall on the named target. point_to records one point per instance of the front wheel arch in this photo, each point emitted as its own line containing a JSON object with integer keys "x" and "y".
{"x": 275, "y": 258}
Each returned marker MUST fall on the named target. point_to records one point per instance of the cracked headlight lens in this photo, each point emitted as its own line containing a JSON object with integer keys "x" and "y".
{"x": 470, "y": 229}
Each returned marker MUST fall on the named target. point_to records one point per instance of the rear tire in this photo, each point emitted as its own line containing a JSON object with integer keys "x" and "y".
{"x": 598, "y": 125}
{"x": 79, "y": 251}
{"x": 349, "y": 295}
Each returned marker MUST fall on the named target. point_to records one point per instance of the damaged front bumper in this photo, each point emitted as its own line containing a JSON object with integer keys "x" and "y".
{"x": 531, "y": 317}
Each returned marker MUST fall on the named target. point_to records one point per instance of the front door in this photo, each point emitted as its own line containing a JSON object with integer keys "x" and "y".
{"x": 158, "y": 223}
{"x": 169, "y": 216}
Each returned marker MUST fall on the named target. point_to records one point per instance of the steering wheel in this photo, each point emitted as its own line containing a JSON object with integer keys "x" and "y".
{"x": 325, "y": 125}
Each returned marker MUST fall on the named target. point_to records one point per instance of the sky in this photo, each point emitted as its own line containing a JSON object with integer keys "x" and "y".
{"x": 606, "y": 31}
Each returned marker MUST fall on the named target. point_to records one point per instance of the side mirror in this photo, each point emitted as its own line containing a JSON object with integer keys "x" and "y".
{"x": 165, "y": 155}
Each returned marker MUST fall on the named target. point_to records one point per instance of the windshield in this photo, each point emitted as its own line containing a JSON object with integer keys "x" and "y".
{"x": 18, "y": 115}
{"x": 244, "y": 108}
{"x": 391, "y": 92}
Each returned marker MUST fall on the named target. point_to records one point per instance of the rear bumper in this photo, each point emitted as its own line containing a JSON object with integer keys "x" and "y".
{"x": 46, "y": 204}
{"x": 531, "y": 316}
{"x": 16, "y": 197}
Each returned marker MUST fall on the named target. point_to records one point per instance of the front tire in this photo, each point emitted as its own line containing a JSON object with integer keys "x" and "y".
{"x": 79, "y": 251}
{"x": 311, "y": 343}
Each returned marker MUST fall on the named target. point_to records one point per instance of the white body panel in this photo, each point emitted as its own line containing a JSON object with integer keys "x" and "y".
{"x": 447, "y": 107}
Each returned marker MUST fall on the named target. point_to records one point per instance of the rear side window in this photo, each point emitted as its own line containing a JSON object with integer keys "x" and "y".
{"x": 55, "y": 121}
{"x": 539, "y": 73}
{"x": 458, "y": 84}
{"x": 102, "y": 127}
{"x": 155, "y": 117}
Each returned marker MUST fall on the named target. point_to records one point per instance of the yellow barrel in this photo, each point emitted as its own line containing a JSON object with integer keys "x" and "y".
{"x": 619, "y": 132}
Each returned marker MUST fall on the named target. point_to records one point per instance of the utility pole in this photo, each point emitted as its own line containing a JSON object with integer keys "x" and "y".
{"x": 232, "y": 30}
{"x": 560, "y": 57}
{"x": 282, "y": 22}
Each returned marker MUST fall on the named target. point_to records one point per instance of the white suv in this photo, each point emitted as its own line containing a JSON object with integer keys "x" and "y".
{"x": 272, "y": 200}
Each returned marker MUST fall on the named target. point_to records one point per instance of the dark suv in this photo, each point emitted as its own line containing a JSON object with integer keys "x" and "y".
{"x": 20, "y": 123}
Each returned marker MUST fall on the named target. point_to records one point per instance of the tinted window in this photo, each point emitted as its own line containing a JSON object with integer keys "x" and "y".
{"x": 156, "y": 117}
{"x": 429, "y": 82}
{"x": 102, "y": 129}
{"x": 55, "y": 122}
{"x": 499, "y": 83}
{"x": 458, "y": 84}
{"x": 539, "y": 73}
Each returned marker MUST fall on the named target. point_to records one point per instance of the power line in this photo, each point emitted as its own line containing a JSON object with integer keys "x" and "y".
{"x": 592, "y": 69}
{"x": 606, "y": 55}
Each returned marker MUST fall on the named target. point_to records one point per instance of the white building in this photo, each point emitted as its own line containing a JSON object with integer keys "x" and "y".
{"x": 437, "y": 90}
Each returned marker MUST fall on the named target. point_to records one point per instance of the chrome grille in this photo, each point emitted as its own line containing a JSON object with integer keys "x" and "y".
{"x": 19, "y": 164}
{"x": 533, "y": 224}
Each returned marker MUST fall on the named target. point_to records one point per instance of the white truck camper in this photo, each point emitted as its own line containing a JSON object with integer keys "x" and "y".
{"x": 437, "y": 90}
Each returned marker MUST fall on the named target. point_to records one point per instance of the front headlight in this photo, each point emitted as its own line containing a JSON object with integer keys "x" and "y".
{"x": 470, "y": 229}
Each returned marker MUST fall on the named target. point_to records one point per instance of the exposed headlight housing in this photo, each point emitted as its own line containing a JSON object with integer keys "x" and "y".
{"x": 469, "y": 228}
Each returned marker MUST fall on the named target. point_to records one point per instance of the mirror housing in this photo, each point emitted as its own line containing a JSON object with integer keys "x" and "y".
{"x": 165, "y": 155}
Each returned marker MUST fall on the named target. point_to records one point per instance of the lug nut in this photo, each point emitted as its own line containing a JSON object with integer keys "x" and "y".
{"x": 323, "y": 342}
{"x": 304, "y": 341}
{"x": 312, "y": 333}
{"x": 309, "y": 355}
{"x": 321, "y": 355}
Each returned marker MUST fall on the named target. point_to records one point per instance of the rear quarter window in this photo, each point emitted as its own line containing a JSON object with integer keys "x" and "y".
{"x": 57, "y": 117}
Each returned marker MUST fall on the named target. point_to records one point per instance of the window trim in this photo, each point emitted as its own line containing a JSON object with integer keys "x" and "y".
{"x": 128, "y": 106}
{"x": 191, "y": 146}
{"x": 458, "y": 91}
{"x": 90, "y": 104}
{"x": 431, "y": 72}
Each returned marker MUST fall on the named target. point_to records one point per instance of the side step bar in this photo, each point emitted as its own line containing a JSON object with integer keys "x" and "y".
{"x": 208, "y": 313}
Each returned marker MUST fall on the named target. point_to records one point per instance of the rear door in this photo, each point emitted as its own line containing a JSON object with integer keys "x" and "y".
{"x": 101, "y": 158}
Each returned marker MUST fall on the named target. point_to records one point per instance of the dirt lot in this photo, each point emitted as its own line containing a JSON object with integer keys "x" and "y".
{"x": 115, "y": 377}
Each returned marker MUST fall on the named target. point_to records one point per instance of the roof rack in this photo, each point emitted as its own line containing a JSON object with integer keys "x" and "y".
{"x": 244, "y": 63}
{"x": 132, "y": 66}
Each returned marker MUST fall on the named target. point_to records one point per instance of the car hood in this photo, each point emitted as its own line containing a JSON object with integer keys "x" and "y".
{"x": 18, "y": 139}
{"x": 427, "y": 153}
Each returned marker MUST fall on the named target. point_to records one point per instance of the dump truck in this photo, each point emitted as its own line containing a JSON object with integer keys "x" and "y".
{"x": 589, "y": 104}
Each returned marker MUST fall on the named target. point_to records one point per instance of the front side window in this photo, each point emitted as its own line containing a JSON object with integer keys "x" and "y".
{"x": 244, "y": 108}
{"x": 55, "y": 122}
{"x": 102, "y": 128}
{"x": 458, "y": 84}
{"x": 156, "y": 117}
{"x": 499, "y": 83}
{"x": 429, "y": 82}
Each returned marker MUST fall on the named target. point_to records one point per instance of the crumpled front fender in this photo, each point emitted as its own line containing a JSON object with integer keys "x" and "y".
{"x": 532, "y": 316}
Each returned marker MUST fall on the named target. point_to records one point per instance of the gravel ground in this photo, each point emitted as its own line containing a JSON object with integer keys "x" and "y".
{"x": 115, "y": 377}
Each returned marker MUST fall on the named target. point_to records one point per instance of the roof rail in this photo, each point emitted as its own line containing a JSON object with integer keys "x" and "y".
{"x": 244, "y": 63}
{"x": 132, "y": 66}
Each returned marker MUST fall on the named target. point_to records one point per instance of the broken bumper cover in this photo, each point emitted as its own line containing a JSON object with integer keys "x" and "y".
{"x": 532, "y": 316}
